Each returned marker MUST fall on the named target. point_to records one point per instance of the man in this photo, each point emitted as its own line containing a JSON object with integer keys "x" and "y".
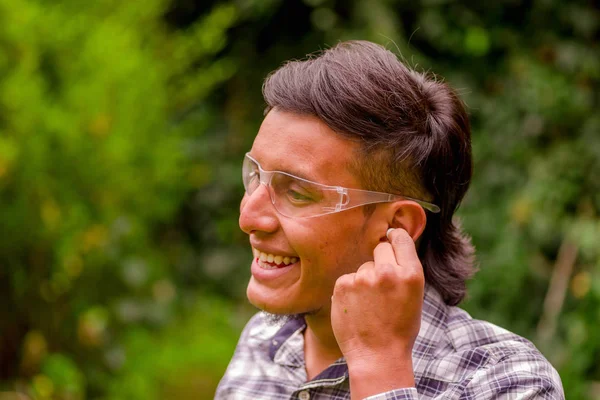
{"x": 351, "y": 185}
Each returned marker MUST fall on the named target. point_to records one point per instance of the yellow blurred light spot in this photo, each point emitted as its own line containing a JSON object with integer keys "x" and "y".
{"x": 43, "y": 386}
{"x": 581, "y": 284}
{"x": 95, "y": 237}
{"x": 163, "y": 291}
{"x": 35, "y": 344}
{"x": 521, "y": 211}
{"x": 91, "y": 328}
{"x": 100, "y": 125}
{"x": 35, "y": 349}
{"x": 50, "y": 214}
{"x": 73, "y": 265}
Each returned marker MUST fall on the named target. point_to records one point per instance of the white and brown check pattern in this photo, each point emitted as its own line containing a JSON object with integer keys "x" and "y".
{"x": 454, "y": 357}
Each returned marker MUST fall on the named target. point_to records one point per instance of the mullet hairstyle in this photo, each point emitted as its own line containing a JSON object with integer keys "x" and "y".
{"x": 413, "y": 134}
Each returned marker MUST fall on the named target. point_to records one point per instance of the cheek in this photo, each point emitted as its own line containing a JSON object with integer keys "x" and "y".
{"x": 351, "y": 246}
{"x": 333, "y": 249}
{"x": 329, "y": 246}
{"x": 311, "y": 242}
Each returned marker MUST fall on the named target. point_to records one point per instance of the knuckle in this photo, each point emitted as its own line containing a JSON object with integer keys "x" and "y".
{"x": 387, "y": 271}
{"x": 414, "y": 278}
{"x": 365, "y": 266}
{"x": 387, "y": 275}
{"x": 362, "y": 279}
{"x": 343, "y": 282}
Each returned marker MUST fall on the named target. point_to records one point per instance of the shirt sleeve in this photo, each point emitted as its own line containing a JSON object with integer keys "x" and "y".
{"x": 524, "y": 376}
{"x": 398, "y": 394}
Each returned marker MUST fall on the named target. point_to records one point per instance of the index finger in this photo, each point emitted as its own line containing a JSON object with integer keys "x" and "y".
{"x": 404, "y": 247}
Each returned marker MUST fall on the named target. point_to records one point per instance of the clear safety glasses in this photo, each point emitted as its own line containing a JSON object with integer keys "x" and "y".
{"x": 300, "y": 198}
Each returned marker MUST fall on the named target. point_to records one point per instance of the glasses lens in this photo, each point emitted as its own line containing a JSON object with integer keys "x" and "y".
{"x": 250, "y": 175}
{"x": 292, "y": 196}
{"x": 295, "y": 197}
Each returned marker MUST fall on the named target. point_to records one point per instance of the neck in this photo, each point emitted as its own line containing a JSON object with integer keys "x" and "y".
{"x": 320, "y": 347}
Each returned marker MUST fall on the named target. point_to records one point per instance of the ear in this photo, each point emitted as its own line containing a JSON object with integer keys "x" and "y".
{"x": 409, "y": 216}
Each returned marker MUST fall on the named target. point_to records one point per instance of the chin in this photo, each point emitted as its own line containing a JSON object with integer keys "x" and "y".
{"x": 269, "y": 306}
{"x": 273, "y": 303}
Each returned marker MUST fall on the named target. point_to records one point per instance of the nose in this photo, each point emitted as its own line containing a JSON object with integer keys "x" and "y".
{"x": 257, "y": 213}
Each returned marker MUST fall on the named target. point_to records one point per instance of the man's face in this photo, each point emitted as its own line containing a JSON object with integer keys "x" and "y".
{"x": 325, "y": 247}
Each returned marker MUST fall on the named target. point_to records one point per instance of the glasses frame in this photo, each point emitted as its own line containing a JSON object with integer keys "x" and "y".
{"x": 348, "y": 198}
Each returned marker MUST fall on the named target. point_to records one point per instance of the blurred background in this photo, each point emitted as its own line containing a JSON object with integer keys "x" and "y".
{"x": 122, "y": 129}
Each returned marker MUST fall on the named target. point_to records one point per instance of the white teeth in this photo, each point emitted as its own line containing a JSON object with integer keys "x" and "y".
{"x": 272, "y": 258}
{"x": 264, "y": 265}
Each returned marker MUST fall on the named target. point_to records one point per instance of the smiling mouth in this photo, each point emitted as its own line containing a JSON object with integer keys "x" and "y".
{"x": 272, "y": 261}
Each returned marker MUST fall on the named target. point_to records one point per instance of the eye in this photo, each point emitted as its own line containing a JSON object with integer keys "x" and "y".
{"x": 299, "y": 197}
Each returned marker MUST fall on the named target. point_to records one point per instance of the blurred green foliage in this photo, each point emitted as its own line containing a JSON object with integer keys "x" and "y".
{"x": 122, "y": 127}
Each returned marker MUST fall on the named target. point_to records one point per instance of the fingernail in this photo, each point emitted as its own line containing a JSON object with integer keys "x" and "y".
{"x": 387, "y": 234}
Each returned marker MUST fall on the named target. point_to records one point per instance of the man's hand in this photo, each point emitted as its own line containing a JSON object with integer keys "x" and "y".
{"x": 376, "y": 315}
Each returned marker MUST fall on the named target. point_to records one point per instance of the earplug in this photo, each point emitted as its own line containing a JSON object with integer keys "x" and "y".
{"x": 387, "y": 234}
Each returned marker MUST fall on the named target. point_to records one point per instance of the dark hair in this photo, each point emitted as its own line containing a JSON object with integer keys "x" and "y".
{"x": 413, "y": 134}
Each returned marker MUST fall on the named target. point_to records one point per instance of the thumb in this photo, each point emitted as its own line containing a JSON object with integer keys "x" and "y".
{"x": 404, "y": 248}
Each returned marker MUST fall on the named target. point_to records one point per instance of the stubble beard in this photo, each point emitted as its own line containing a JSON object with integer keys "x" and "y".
{"x": 281, "y": 319}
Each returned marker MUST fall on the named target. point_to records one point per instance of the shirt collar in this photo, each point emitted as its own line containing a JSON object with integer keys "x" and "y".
{"x": 292, "y": 328}
{"x": 286, "y": 347}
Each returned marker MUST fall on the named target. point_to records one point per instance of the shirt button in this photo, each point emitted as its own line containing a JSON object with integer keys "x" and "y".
{"x": 304, "y": 395}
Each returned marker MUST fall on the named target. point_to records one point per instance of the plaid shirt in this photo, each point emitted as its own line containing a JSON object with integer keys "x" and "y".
{"x": 454, "y": 357}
